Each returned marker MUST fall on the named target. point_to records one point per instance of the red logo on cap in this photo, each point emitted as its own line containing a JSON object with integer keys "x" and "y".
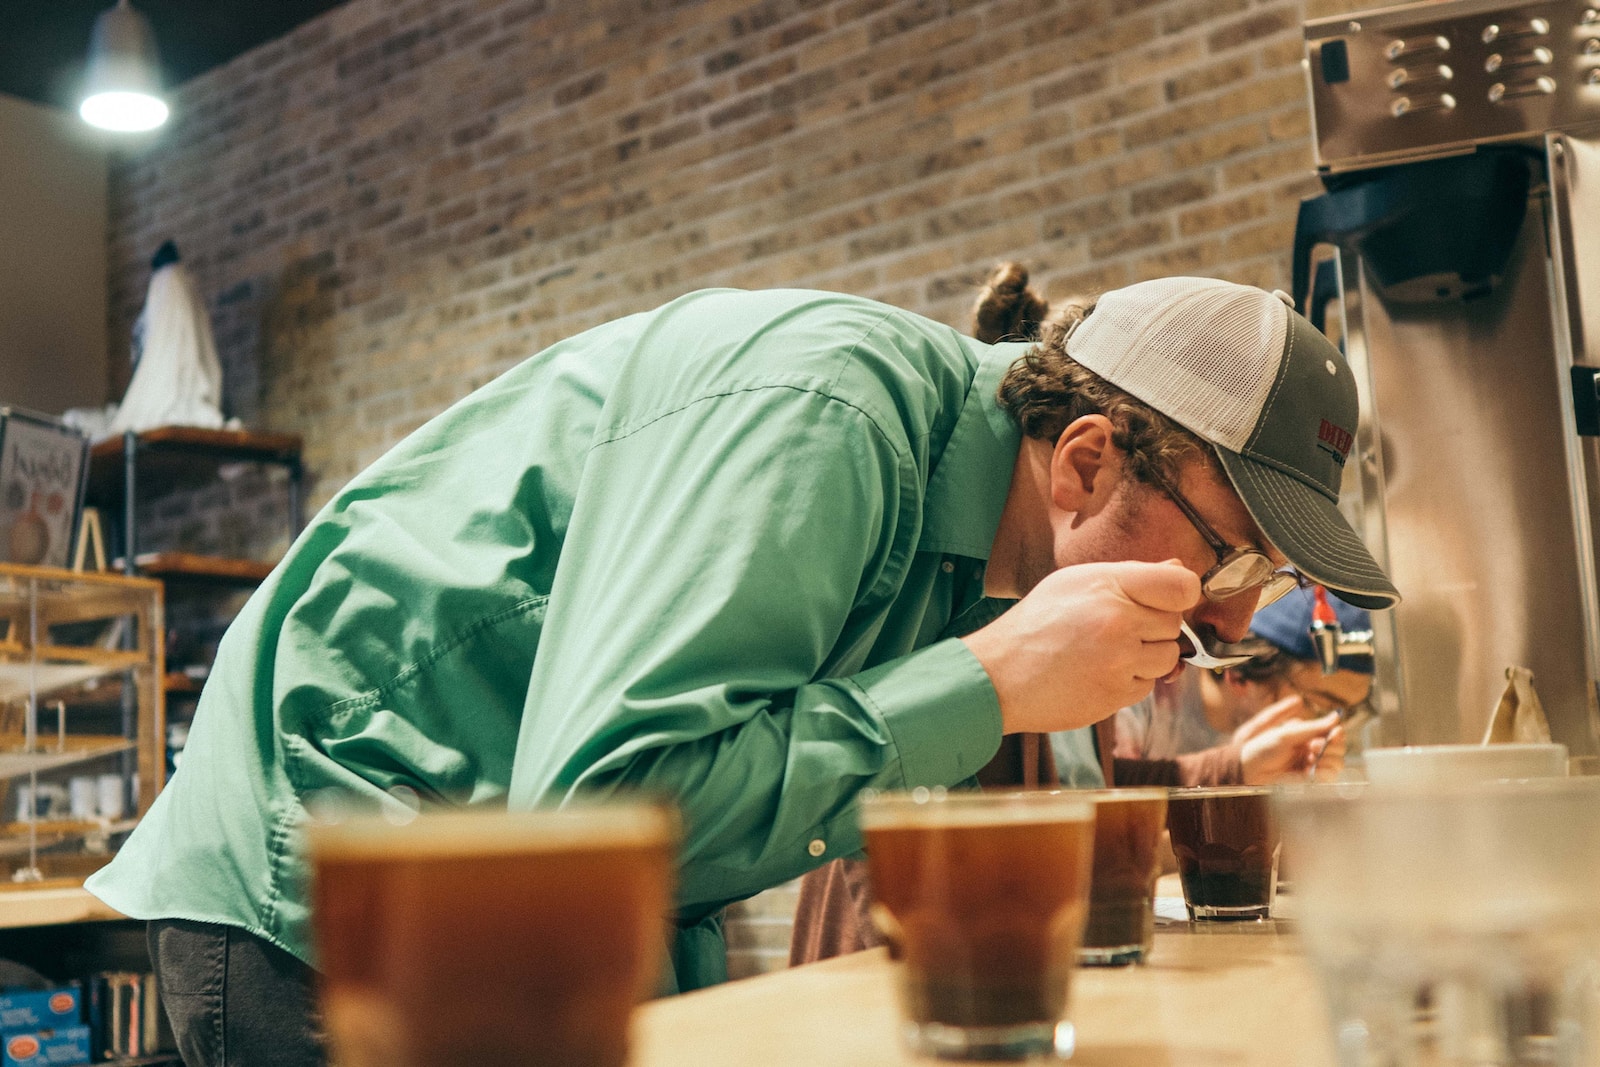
{"x": 1337, "y": 438}
{"x": 62, "y": 1003}
{"x": 23, "y": 1047}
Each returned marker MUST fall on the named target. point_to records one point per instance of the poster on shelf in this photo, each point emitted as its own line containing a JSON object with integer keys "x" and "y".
{"x": 42, "y": 469}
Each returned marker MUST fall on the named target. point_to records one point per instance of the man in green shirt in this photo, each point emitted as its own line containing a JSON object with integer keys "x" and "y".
{"x": 717, "y": 550}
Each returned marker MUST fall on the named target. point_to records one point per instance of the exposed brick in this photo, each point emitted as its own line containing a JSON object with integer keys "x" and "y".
{"x": 1222, "y": 214}
{"x": 1293, "y": 124}
{"x": 1291, "y": 160}
{"x": 1197, "y": 258}
{"x": 740, "y": 109}
{"x": 1079, "y": 219}
{"x": 1259, "y": 25}
{"x": 1074, "y": 86}
{"x": 673, "y": 134}
{"x": 1088, "y": 284}
{"x": 1185, "y": 190}
{"x": 1193, "y": 13}
{"x": 765, "y": 73}
{"x": 1268, "y": 237}
{"x": 1127, "y": 238}
{"x": 1219, "y": 144}
{"x": 1227, "y": 72}
{"x": 880, "y": 243}
{"x": 904, "y": 17}
{"x": 1113, "y": 106}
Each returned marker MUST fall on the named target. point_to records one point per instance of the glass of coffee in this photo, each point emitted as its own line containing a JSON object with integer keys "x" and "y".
{"x": 1226, "y": 841}
{"x": 1127, "y": 862}
{"x": 490, "y": 939}
{"x": 982, "y": 899}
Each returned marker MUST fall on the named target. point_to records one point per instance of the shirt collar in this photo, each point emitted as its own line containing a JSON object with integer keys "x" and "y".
{"x": 967, "y": 490}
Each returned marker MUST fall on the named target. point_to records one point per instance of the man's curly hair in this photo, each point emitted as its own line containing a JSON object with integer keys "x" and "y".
{"x": 1046, "y": 390}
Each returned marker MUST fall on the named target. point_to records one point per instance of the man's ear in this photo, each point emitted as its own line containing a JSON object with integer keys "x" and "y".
{"x": 1085, "y": 465}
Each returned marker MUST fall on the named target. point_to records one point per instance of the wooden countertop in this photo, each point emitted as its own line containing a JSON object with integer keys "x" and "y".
{"x": 49, "y": 904}
{"x": 1214, "y": 996}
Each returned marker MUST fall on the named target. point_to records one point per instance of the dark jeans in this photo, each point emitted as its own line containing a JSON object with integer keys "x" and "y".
{"x": 235, "y": 1000}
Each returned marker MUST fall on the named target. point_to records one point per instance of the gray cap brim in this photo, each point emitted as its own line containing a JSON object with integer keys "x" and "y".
{"x": 1308, "y": 528}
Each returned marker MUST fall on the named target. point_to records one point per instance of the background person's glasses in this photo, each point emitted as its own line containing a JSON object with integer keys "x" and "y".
{"x": 1239, "y": 568}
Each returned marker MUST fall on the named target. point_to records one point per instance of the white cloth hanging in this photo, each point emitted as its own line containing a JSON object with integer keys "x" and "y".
{"x": 178, "y": 381}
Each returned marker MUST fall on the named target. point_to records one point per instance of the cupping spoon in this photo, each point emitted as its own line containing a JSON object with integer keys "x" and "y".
{"x": 1202, "y": 658}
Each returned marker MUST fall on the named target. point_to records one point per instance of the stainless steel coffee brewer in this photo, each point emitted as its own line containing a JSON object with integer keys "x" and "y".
{"x": 1456, "y": 257}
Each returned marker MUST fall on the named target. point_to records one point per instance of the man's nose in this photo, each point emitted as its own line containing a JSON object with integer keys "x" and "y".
{"x": 1229, "y": 619}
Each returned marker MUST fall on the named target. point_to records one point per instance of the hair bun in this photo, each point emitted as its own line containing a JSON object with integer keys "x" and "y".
{"x": 1006, "y": 308}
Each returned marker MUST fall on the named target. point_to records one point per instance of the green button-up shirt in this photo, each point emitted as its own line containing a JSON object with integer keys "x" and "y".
{"x": 710, "y": 551}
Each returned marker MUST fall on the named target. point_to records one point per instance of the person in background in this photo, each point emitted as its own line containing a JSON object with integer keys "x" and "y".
{"x": 1282, "y": 683}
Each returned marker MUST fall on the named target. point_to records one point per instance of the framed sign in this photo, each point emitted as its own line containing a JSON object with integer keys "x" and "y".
{"x": 43, "y": 467}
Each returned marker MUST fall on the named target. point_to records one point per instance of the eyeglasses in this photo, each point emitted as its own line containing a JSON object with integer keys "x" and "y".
{"x": 1239, "y": 568}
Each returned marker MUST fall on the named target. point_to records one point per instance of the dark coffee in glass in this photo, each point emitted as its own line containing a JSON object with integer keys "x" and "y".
{"x": 1127, "y": 837}
{"x": 1226, "y": 841}
{"x": 982, "y": 898}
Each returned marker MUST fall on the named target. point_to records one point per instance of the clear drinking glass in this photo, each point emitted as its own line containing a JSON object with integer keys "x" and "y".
{"x": 1226, "y": 842}
{"x": 490, "y": 939}
{"x": 1452, "y": 926}
{"x": 1127, "y": 862}
{"x": 982, "y": 899}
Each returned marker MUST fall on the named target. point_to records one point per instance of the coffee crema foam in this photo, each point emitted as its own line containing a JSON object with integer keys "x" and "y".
{"x": 980, "y": 811}
{"x": 459, "y": 833}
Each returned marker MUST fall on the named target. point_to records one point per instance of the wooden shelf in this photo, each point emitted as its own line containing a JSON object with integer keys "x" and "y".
{"x": 14, "y": 836}
{"x": 187, "y": 567}
{"x": 178, "y": 682}
{"x": 79, "y": 748}
{"x": 107, "y": 659}
{"x": 17, "y": 680}
{"x": 184, "y": 457}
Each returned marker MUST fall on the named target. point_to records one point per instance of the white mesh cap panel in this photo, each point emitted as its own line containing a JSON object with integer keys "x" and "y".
{"x": 1202, "y": 352}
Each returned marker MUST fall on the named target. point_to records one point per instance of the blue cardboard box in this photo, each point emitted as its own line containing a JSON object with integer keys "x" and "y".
{"x": 40, "y": 1009}
{"x": 66, "y": 1046}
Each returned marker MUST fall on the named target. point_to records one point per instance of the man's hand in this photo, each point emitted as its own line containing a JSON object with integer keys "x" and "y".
{"x": 1279, "y": 742}
{"x": 1084, "y": 642}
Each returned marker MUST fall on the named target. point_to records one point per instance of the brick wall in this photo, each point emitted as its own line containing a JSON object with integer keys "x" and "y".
{"x": 402, "y": 199}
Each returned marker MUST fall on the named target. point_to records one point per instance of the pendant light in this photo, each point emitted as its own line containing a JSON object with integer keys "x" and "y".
{"x": 123, "y": 90}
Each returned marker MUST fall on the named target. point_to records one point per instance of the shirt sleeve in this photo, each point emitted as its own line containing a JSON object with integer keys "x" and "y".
{"x": 722, "y": 562}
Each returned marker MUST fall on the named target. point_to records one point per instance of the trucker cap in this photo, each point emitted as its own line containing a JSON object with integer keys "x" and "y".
{"x": 1237, "y": 367}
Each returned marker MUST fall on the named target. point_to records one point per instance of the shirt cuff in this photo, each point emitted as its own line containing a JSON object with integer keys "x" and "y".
{"x": 940, "y": 709}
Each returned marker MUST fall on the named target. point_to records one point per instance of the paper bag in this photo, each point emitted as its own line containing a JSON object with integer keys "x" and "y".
{"x": 1518, "y": 717}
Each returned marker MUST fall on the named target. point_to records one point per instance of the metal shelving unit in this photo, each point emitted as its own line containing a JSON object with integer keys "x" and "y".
{"x": 171, "y": 458}
{"x": 123, "y": 471}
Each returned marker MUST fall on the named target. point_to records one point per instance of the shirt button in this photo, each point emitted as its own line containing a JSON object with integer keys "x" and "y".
{"x": 817, "y": 847}
{"x": 948, "y": 567}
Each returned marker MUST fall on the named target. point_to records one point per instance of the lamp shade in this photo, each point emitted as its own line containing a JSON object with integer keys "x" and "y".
{"x": 123, "y": 90}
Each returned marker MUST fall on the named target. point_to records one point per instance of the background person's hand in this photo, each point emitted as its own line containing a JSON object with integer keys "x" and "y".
{"x": 1278, "y": 742}
{"x": 1084, "y": 642}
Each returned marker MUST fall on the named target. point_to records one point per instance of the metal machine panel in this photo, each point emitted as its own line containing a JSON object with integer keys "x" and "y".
{"x": 1478, "y": 525}
{"x": 1430, "y": 79}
